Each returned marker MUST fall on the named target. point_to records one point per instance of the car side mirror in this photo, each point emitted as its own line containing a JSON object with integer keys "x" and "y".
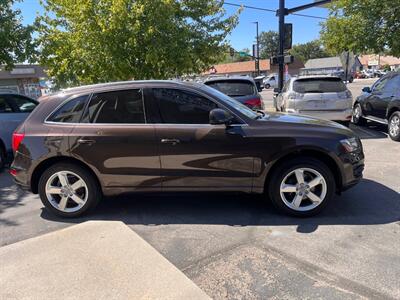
{"x": 220, "y": 116}
{"x": 366, "y": 89}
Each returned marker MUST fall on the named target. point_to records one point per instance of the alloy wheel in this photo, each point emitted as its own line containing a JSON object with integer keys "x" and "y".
{"x": 394, "y": 126}
{"x": 303, "y": 189}
{"x": 356, "y": 113}
{"x": 66, "y": 191}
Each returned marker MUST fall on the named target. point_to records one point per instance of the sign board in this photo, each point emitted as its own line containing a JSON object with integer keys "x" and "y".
{"x": 255, "y": 50}
{"x": 348, "y": 59}
{"x": 22, "y": 71}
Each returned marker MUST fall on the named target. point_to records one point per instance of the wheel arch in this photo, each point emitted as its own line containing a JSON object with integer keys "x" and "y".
{"x": 391, "y": 110}
{"x": 43, "y": 165}
{"x": 304, "y": 153}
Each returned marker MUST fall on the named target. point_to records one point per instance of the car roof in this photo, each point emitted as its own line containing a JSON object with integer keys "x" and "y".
{"x": 119, "y": 84}
{"x": 229, "y": 78}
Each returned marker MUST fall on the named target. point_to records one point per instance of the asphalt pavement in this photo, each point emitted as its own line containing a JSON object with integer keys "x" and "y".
{"x": 236, "y": 246}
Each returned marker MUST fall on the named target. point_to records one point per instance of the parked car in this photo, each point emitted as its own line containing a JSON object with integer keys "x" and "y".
{"x": 368, "y": 73}
{"x": 270, "y": 81}
{"x": 241, "y": 88}
{"x": 13, "y": 111}
{"x": 325, "y": 97}
{"x": 381, "y": 103}
{"x": 342, "y": 75}
{"x": 359, "y": 75}
{"x": 153, "y": 136}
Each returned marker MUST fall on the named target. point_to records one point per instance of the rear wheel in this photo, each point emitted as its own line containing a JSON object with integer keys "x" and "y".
{"x": 68, "y": 190}
{"x": 357, "y": 117}
{"x": 267, "y": 86}
{"x": 394, "y": 126}
{"x": 302, "y": 187}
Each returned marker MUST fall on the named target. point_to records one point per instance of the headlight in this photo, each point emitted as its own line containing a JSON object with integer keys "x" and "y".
{"x": 351, "y": 144}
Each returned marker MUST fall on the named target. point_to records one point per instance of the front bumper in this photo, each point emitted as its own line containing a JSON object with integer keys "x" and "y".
{"x": 353, "y": 167}
{"x": 333, "y": 115}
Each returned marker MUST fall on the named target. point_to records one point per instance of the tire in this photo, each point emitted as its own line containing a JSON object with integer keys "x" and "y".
{"x": 267, "y": 86}
{"x": 312, "y": 169}
{"x": 394, "y": 126}
{"x": 357, "y": 118}
{"x": 89, "y": 194}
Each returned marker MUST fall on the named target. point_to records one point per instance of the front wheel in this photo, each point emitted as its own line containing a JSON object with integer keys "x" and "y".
{"x": 394, "y": 126}
{"x": 357, "y": 117}
{"x": 302, "y": 187}
{"x": 68, "y": 190}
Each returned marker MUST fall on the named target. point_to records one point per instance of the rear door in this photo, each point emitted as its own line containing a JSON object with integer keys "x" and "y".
{"x": 194, "y": 154}
{"x": 376, "y": 103}
{"x": 114, "y": 138}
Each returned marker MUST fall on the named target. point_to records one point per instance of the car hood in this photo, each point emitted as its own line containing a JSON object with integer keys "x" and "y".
{"x": 302, "y": 122}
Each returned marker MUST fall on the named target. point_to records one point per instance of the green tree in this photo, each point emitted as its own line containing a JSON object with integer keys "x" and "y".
{"x": 363, "y": 26}
{"x": 269, "y": 44}
{"x": 227, "y": 58}
{"x": 309, "y": 50}
{"x": 15, "y": 39}
{"x": 86, "y": 41}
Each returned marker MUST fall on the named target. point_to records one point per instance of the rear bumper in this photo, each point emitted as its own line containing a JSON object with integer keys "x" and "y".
{"x": 20, "y": 169}
{"x": 333, "y": 115}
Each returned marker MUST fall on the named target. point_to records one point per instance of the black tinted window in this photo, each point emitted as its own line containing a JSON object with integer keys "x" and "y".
{"x": 182, "y": 107}
{"x": 23, "y": 104}
{"x": 320, "y": 85}
{"x": 119, "y": 107}
{"x": 233, "y": 88}
{"x": 4, "y": 106}
{"x": 70, "y": 112}
{"x": 393, "y": 84}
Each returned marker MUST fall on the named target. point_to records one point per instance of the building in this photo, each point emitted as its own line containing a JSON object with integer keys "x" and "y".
{"x": 327, "y": 65}
{"x": 248, "y": 68}
{"x": 376, "y": 61}
{"x": 24, "y": 79}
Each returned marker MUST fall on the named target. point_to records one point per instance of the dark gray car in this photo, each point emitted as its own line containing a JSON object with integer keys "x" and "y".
{"x": 241, "y": 88}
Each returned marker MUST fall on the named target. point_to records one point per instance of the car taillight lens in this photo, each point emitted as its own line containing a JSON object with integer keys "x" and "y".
{"x": 16, "y": 140}
{"x": 253, "y": 102}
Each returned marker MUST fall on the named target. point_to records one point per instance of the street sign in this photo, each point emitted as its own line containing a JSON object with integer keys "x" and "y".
{"x": 243, "y": 54}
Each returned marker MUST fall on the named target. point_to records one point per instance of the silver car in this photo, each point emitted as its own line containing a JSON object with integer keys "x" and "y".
{"x": 325, "y": 97}
{"x": 13, "y": 111}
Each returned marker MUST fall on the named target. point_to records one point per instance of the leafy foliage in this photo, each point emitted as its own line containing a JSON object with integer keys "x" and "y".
{"x": 15, "y": 39}
{"x": 86, "y": 41}
{"x": 309, "y": 50}
{"x": 227, "y": 58}
{"x": 363, "y": 26}
{"x": 269, "y": 44}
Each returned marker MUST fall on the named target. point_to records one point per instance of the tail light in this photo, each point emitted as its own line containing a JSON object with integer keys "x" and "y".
{"x": 256, "y": 102}
{"x": 16, "y": 140}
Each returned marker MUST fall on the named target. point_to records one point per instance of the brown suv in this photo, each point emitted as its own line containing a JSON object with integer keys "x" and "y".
{"x": 152, "y": 136}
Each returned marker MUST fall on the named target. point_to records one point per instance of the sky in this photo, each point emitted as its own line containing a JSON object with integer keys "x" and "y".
{"x": 244, "y": 35}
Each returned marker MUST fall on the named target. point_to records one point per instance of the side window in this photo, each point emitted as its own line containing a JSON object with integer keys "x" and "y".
{"x": 70, "y": 112}
{"x": 23, "y": 104}
{"x": 182, "y": 107}
{"x": 272, "y": 78}
{"x": 393, "y": 84}
{"x": 4, "y": 106}
{"x": 380, "y": 85}
{"x": 119, "y": 107}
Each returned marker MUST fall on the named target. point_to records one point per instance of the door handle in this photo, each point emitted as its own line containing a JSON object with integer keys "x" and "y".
{"x": 170, "y": 141}
{"x": 86, "y": 142}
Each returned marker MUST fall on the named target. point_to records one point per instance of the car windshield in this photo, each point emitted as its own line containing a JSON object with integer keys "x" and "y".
{"x": 319, "y": 85}
{"x": 233, "y": 88}
{"x": 233, "y": 103}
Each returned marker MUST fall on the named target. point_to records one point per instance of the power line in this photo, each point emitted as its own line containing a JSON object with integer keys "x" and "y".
{"x": 271, "y": 10}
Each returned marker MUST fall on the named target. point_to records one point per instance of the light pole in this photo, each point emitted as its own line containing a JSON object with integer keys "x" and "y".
{"x": 258, "y": 51}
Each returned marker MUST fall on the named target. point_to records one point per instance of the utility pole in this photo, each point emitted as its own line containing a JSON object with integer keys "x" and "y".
{"x": 281, "y": 14}
{"x": 257, "y": 56}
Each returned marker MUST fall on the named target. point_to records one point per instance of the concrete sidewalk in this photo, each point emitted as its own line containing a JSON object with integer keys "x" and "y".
{"x": 92, "y": 260}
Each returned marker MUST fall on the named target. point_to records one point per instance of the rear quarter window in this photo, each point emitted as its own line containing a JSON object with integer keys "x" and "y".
{"x": 69, "y": 112}
{"x": 325, "y": 85}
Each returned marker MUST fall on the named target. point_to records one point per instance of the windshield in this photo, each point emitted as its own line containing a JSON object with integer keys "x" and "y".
{"x": 319, "y": 85}
{"x": 233, "y": 103}
{"x": 233, "y": 88}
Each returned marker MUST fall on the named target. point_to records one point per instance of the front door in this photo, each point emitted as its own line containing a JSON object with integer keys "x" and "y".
{"x": 193, "y": 153}
{"x": 115, "y": 139}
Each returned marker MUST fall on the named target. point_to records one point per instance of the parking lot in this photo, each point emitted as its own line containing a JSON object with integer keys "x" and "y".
{"x": 238, "y": 247}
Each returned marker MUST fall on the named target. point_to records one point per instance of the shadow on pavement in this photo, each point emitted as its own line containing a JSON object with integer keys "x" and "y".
{"x": 366, "y": 204}
{"x": 371, "y": 131}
